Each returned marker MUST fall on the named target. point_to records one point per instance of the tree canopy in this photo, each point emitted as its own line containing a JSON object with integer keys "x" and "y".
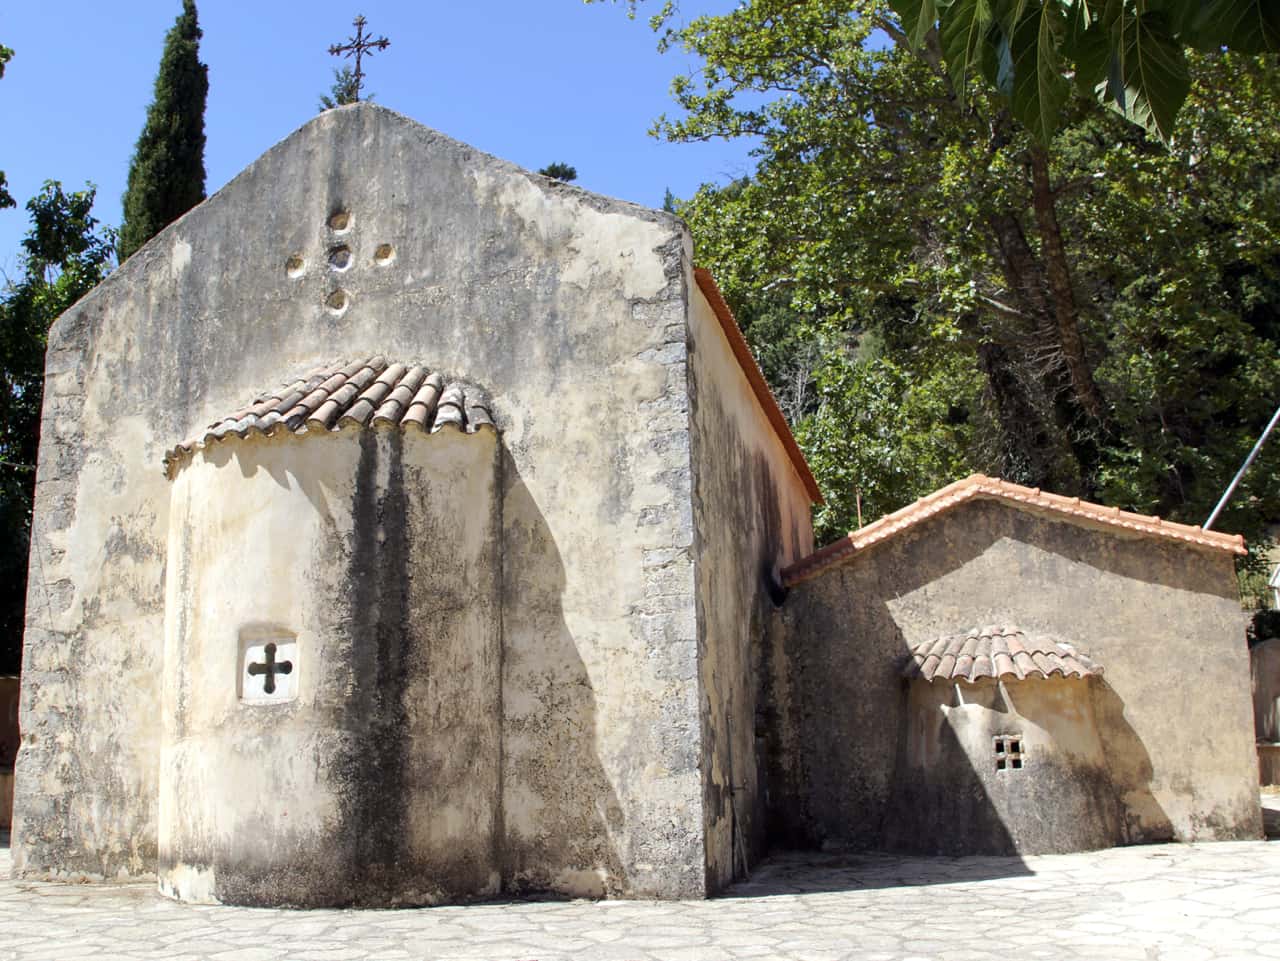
{"x": 65, "y": 254}
{"x": 1130, "y": 54}
{"x": 166, "y": 175}
{"x": 932, "y": 289}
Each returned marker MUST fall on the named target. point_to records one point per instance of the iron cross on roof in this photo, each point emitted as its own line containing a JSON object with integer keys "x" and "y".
{"x": 359, "y": 45}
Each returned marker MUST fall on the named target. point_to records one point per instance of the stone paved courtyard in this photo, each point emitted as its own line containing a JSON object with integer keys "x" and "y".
{"x": 1171, "y": 903}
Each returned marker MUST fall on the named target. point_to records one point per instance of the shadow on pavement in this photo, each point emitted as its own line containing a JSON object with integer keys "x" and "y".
{"x": 811, "y": 872}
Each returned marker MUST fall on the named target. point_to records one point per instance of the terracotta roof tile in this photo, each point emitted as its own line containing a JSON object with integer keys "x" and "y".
{"x": 996, "y": 652}
{"x": 991, "y": 488}
{"x": 768, "y": 403}
{"x": 367, "y": 392}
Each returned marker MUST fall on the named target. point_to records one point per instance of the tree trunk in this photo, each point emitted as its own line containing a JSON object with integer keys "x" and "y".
{"x": 1058, "y": 274}
{"x": 1031, "y": 451}
{"x": 1022, "y": 272}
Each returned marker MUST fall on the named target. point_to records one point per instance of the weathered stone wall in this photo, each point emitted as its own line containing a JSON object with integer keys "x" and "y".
{"x": 366, "y": 233}
{"x": 1163, "y": 619}
{"x": 375, "y": 555}
{"x": 751, "y": 518}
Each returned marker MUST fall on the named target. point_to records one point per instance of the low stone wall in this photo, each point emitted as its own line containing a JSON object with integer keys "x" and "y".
{"x": 6, "y": 799}
{"x": 1269, "y": 762}
{"x": 9, "y": 736}
{"x": 1264, "y": 667}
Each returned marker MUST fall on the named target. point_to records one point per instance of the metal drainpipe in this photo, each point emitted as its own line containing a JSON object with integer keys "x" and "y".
{"x": 1240, "y": 473}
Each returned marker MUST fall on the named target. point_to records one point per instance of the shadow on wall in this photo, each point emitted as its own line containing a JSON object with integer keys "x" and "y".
{"x": 1018, "y": 767}
{"x": 1120, "y": 785}
{"x": 1142, "y": 820}
{"x": 561, "y": 817}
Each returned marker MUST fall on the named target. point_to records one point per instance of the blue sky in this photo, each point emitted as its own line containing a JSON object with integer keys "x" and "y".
{"x": 531, "y": 81}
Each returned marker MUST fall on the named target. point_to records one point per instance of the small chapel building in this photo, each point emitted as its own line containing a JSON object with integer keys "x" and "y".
{"x": 412, "y": 528}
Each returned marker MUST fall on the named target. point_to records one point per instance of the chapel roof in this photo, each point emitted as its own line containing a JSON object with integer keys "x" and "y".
{"x": 1000, "y": 651}
{"x": 979, "y": 487}
{"x": 364, "y": 393}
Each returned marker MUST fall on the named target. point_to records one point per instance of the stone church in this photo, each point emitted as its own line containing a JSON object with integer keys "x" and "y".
{"x": 413, "y": 528}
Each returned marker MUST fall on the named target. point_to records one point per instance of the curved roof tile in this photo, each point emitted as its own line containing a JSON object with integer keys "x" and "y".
{"x": 996, "y": 652}
{"x": 978, "y": 487}
{"x": 364, "y": 393}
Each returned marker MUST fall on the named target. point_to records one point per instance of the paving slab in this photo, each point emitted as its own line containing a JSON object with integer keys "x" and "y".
{"x": 1194, "y": 902}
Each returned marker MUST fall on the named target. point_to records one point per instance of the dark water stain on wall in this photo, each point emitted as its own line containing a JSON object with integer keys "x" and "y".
{"x": 370, "y": 780}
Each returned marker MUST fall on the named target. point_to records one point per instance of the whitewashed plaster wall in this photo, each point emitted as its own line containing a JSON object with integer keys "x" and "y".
{"x": 370, "y": 774}
{"x": 751, "y": 512}
{"x": 1048, "y": 791}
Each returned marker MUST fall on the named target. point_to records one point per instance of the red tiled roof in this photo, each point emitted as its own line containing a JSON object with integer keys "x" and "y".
{"x": 992, "y": 488}
{"x": 366, "y": 393}
{"x": 742, "y": 353}
{"x": 996, "y": 652}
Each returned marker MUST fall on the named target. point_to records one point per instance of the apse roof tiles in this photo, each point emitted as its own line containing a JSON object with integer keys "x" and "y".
{"x": 996, "y": 652}
{"x": 365, "y": 393}
{"x": 979, "y": 486}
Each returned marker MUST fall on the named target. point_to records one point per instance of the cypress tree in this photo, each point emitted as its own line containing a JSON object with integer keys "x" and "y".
{"x": 166, "y": 175}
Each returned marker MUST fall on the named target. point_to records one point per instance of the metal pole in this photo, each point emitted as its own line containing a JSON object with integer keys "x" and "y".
{"x": 1240, "y": 473}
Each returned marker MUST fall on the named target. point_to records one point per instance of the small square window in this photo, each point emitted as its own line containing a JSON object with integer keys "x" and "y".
{"x": 1008, "y": 752}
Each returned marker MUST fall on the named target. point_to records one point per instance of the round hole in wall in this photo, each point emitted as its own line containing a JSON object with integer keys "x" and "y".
{"x": 295, "y": 266}
{"x": 340, "y": 221}
{"x": 337, "y": 302}
{"x": 340, "y": 257}
{"x": 384, "y": 255}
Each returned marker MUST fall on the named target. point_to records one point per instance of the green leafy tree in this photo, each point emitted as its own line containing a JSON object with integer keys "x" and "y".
{"x": 6, "y": 200}
{"x": 1094, "y": 316}
{"x": 882, "y": 434}
{"x": 1130, "y": 54}
{"x": 560, "y": 171}
{"x": 345, "y": 90}
{"x": 166, "y": 176}
{"x": 65, "y": 254}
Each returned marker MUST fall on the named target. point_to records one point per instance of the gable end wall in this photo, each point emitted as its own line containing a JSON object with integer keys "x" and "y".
{"x": 570, "y": 309}
{"x": 1162, "y": 618}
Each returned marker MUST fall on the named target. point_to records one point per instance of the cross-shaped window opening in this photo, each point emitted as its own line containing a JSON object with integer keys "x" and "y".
{"x": 271, "y": 668}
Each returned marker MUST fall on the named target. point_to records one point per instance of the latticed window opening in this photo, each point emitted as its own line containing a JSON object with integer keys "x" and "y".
{"x": 1009, "y": 752}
